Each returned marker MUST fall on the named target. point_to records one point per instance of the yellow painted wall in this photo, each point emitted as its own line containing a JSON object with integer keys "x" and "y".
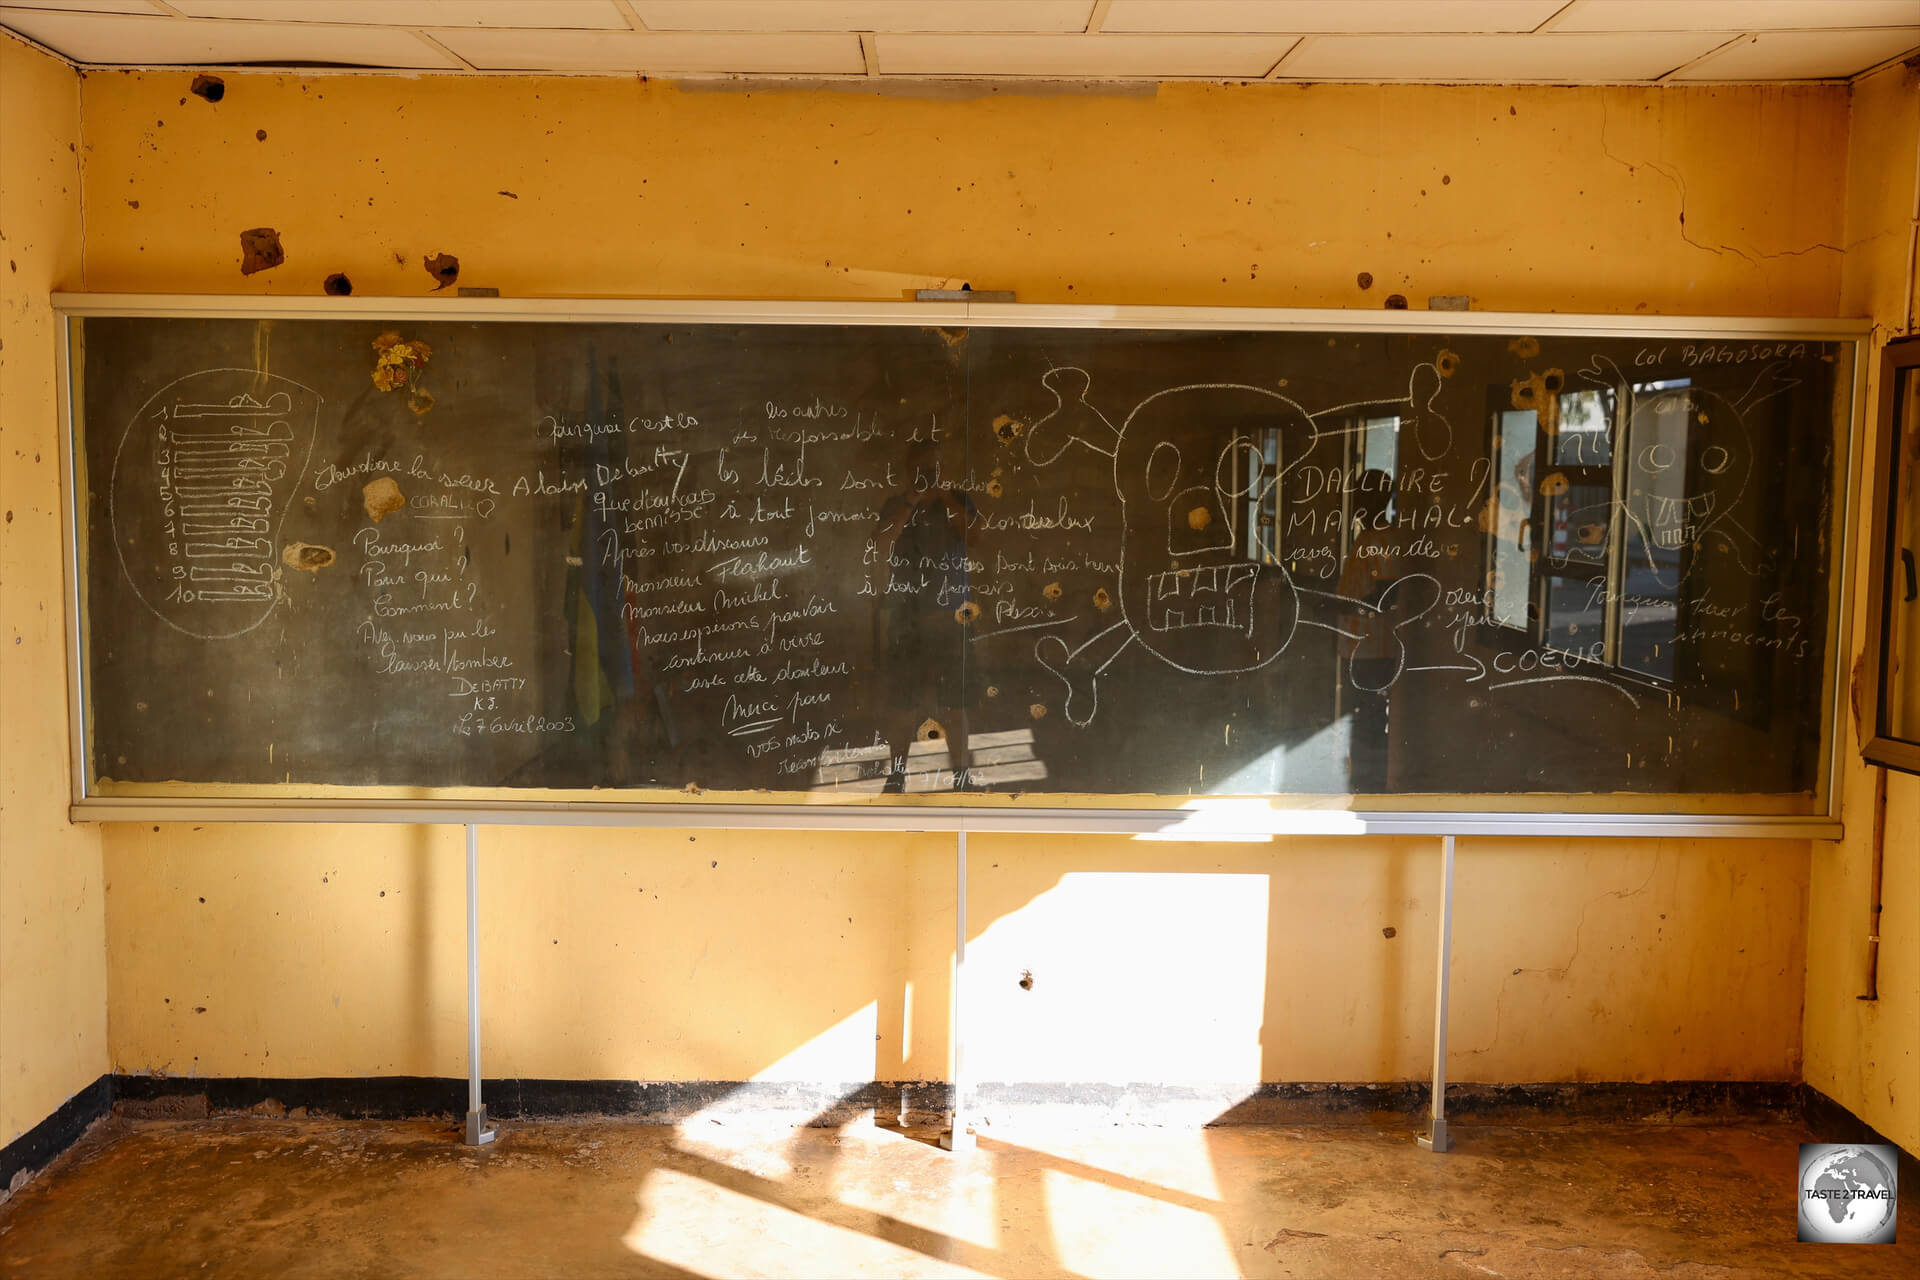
{"x": 53, "y": 979}
{"x": 1867, "y": 1055}
{"x": 822, "y": 957}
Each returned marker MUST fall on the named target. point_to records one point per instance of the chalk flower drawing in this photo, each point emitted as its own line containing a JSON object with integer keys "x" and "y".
{"x": 398, "y": 365}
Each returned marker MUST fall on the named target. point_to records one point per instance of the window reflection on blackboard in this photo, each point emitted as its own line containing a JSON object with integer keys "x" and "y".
{"x": 923, "y": 552}
{"x": 870, "y": 559}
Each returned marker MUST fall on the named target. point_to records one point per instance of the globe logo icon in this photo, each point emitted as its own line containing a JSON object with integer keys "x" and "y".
{"x": 1848, "y": 1194}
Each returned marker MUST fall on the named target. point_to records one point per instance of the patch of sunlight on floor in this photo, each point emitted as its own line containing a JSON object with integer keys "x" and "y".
{"x": 1177, "y": 1166}
{"x": 964, "y": 1203}
{"x": 707, "y": 1230}
{"x": 1104, "y": 1230}
{"x": 843, "y": 1051}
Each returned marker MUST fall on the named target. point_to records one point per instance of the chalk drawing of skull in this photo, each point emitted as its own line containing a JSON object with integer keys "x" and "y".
{"x": 1185, "y": 469}
{"x": 1690, "y": 462}
{"x": 1187, "y": 591}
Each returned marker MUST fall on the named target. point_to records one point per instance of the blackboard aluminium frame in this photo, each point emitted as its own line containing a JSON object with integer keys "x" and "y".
{"x": 1198, "y": 819}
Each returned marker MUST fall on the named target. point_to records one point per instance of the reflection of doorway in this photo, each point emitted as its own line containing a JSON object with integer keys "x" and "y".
{"x": 1354, "y": 521}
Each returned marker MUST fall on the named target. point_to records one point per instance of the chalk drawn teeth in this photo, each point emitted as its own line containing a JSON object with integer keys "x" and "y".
{"x": 201, "y": 480}
{"x": 1667, "y": 510}
{"x": 1219, "y": 596}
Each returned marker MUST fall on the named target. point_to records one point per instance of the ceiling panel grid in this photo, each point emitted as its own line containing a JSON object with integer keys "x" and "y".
{"x": 1369, "y": 41}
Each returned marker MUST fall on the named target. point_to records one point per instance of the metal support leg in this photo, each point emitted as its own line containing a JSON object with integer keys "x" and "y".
{"x": 478, "y": 1130}
{"x": 1435, "y": 1139}
{"x": 959, "y": 1137}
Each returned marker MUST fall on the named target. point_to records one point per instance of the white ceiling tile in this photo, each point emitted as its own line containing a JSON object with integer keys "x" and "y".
{"x": 1735, "y": 15}
{"x": 1500, "y": 59}
{"x": 1305, "y": 17}
{"x": 113, "y": 40}
{"x": 599, "y": 14}
{"x": 658, "y": 53}
{"x": 864, "y": 15}
{"x": 1081, "y": 57}
{"x": 1805, "y": 55}
{"x": 145, "y": 7}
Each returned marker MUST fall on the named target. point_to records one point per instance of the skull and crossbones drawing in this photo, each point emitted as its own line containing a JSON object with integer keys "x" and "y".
{"x": 1186, "y": 467}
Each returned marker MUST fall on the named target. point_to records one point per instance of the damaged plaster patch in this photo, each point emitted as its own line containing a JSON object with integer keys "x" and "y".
{"x": 443, "y": 267}
{"x": 260, "y": 250}
{"x": 306, "y": 556}
{"x": 212, "y": 88}
{"x": 337, "y": 285}
{"x": 382, "y": 497}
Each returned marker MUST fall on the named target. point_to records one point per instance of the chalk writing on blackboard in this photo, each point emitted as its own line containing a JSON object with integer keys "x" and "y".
{"x": 854, "y": 561}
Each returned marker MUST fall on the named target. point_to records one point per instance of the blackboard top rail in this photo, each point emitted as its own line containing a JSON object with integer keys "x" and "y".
{"x": 1000, "y": 315}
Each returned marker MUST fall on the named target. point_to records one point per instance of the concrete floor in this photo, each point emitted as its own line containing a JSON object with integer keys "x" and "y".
{"x": 246, "y": 1197}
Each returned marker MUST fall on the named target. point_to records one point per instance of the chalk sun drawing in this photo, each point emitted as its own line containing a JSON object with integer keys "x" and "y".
{"x": 1679, "y": 491}
{"x": 202, "y": 479}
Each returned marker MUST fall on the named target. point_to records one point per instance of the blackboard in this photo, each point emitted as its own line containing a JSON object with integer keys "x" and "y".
{"x": 843, "y": 562}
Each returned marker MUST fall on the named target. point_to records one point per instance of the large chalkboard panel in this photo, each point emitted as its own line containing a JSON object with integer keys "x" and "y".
{"x": 857, "y": 560}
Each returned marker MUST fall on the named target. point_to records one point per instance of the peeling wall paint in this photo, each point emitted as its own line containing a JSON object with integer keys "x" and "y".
{"x": 629, "y": 955}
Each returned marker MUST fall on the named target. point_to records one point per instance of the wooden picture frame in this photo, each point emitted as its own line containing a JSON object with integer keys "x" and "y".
{"x": 1892, "y": 667}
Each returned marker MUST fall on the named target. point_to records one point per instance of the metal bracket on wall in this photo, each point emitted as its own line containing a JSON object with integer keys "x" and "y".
{"x": 1435, "y": 1139}
{"x": 958, "y": 1137}
{"x": 965, "y": 293}
{"x": 478, "y": 1131}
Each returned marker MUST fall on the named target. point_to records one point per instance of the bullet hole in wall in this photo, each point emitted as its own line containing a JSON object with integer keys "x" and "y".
{"x": 1396, "y": 302}
{"x": 1026, "y": 979}
{"x": 212, "y": 88}
{"x": 337, "y": 285}
{"x": 1364, "y": 279}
